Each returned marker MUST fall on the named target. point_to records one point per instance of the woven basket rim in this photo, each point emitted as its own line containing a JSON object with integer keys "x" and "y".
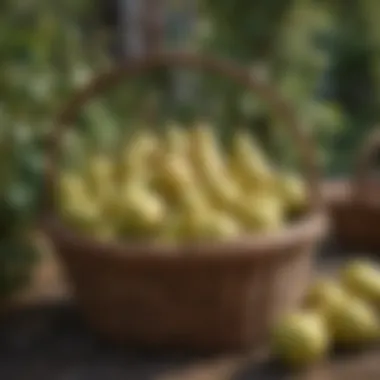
{"x": 259, "y": 246}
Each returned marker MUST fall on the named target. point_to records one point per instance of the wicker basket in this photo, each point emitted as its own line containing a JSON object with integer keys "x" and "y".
{"x": 205, "y": 296}
{"x": 354, "y": 205}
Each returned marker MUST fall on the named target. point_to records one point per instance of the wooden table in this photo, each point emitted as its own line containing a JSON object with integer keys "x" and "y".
{"x": 42, "y": 337}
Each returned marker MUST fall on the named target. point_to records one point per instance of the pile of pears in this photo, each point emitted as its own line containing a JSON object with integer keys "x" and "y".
{"x": 178, "y": 186}
{"x": 338, "y": 313}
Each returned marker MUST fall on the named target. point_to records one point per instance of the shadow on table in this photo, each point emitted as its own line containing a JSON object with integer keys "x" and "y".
{"x": 51, "y": 342}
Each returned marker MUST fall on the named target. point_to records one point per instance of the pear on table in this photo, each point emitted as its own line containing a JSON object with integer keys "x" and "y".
{"x": 347, "y": 312}
{"x": 363, "y": 279}
{"x": 354, "y": 323}
{"x": 301, "y": 339}
{"x": 325, "y": 294}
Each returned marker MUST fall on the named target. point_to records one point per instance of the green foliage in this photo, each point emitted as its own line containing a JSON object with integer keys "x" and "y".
{"x": 44, "y": 57}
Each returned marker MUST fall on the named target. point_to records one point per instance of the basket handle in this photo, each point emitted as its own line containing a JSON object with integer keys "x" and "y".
{"x": 137, "y": 66}
{"x": 365, "y": 162}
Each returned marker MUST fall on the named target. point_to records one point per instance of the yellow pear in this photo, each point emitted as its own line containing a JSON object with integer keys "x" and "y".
{"x": 174, "y": 177}
{"x": 70, "y": 186}
{"x": 261, "y": 212}
{"x": 207, "y": 226}
{"x": 141, "y": 145}
{"x": 325, "y": 294}
{"x": 362, "y": 278}
{"x": 248, "y": 163}
{"x": 194, "y": 214}
{"x": 354, "y": 323}
{"x": 99, "y": 169}
{"x": 138, "y": 155}
{"x": 175, "y": 140}
{"x": 192, "y": 225}
{"x": 211, "y": 169}
{"x": 82, "y": 213}
{"x": 204, "y": 149}
{"x": 198, "y": 219}
{"x": 144, "y": 211}
{"x": 300, "y": 339}
{"x": 223, "y": 226}
{"x": 99, "y": 174}
{"x": 221, "y": 190}
{"x": 293, "y": 191}
{"x": 78, "y": 207}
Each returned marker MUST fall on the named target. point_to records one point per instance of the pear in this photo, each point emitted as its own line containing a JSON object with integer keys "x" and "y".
{"x": 222, "y": 226}
{"x": 261, "y": 212}
{"x": 175, "y": 140}
{"x": 204, "y": 150}
{"x": 248, "y": 163}
{"x": 194, "y": 215}
{"x": 82, "y": 213}
{"x": 222, "y": 191}
{"x": 75, "y": 197}
{"x": 211, "y": 170}
{"x": 324, "y": 295}
{"x": 363, "y": 279}
{"x": 141, "y": 145}
{"x": 99, "y": 169}
{"x": 138, "y": 155}
{"x": 300, "y": 339}
{"x": 77, "y": 207}
{"x": 71, "y": 185}
{"x": 192, "y": 225}
{"x": 99, "y": 174}
{"x": 144, "y": 211}
{"x": 198, "y": 219}
{"x": 194, "y": 198}
{"x": 207, "y": 226}
{"x": 354, "y": 323}
{"x": 174, "y": 177}
{"x": 293, "y": 191}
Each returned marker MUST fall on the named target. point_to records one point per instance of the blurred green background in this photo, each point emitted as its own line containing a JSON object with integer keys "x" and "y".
{"x": 324, "y": 56}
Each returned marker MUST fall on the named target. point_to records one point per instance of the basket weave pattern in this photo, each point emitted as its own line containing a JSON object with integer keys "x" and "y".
{"x": 227, "y": 305}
